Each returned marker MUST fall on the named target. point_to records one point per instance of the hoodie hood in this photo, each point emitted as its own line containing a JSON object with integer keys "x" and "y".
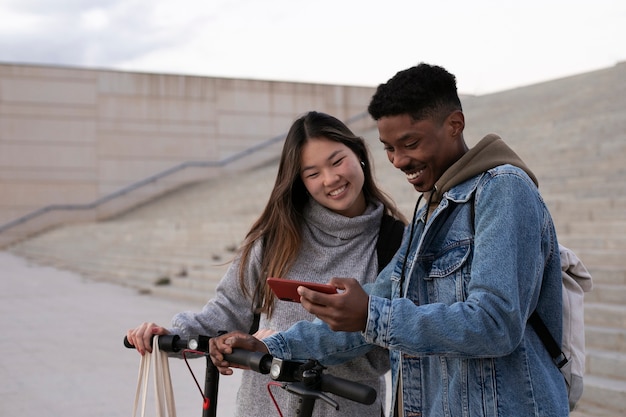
{"x": 489, "y": 153}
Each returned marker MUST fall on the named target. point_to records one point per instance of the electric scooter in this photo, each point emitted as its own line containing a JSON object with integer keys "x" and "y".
{"x": 306, "y": 379}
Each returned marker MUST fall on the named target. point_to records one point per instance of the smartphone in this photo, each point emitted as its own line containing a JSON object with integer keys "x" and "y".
{"x": 286, "y": 289}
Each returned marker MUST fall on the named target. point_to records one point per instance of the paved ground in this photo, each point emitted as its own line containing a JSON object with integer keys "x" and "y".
{"x": 61, "y": 351}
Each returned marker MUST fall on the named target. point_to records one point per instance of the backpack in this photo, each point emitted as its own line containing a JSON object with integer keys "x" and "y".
{"x": 570, "y": 356}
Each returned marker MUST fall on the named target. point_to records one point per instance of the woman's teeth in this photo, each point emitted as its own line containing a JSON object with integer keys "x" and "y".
{"x": 337, "y": 191}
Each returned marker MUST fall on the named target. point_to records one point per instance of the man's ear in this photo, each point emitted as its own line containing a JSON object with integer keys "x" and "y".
{"x": 456, "y": 123}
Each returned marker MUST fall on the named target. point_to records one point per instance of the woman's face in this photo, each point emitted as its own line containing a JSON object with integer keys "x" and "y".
{"x": 333, "y": 176}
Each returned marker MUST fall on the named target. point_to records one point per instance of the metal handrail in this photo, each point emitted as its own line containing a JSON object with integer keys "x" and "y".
{"x": 134, "y": 186}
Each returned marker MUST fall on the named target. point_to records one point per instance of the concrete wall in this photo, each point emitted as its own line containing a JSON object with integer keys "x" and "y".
{"x": 73, "y": 136}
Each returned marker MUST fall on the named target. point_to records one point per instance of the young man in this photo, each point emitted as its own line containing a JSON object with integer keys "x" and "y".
{"x": 452, "y": 307}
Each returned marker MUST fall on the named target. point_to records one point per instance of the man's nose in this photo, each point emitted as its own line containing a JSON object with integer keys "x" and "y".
{"x": 399, "y": 159}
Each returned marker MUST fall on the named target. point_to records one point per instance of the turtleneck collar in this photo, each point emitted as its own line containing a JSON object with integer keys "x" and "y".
{"x": 340, "y": 226}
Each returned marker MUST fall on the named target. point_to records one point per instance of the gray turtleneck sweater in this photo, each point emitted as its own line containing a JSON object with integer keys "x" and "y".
{"x": 333, "y": 246}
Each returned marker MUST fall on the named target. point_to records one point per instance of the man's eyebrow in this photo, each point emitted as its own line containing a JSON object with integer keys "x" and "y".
{"x": 402, "y": 138}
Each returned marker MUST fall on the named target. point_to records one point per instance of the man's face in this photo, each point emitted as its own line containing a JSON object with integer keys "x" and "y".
{"x": 422, "y": 149}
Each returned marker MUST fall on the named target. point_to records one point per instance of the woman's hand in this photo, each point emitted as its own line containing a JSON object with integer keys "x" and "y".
{"x": 141, "y": 336}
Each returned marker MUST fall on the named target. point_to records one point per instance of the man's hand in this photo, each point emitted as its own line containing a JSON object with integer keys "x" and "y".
{"x": 224, "y": 345}
{"x": 345, "y": 311}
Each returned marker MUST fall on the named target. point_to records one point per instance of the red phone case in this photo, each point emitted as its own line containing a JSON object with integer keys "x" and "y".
{"x": 286, "y": 289}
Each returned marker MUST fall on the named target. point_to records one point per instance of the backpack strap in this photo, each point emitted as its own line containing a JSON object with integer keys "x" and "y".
{"x": 548, "y": 341}
{"x": 389, "y": 239}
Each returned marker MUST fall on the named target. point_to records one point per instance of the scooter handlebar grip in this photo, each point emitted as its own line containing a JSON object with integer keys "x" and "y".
{"x": 354, "y": 391}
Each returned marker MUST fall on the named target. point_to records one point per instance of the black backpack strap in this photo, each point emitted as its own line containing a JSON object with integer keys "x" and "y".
{"x": 389, "y": 239}
{"x": 548, "y": 341}
{"x": 255, "y": 323}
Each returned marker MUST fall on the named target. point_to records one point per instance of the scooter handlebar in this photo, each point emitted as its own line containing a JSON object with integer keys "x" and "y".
{"x": 351, "y": 390}
{"x": 257, "y": 361}
{"x": 167, "y": 343}
{"x": 263, "y": 362}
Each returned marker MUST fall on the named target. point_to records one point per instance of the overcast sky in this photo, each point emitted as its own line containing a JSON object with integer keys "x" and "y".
{"x": 489, "y": 45}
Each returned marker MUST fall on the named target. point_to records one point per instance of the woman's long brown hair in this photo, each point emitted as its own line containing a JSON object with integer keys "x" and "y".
{"x": 279, "y": 226}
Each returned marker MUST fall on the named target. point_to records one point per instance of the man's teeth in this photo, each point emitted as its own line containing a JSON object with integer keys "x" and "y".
{"x": 413, "y": 175}
{"x": 337, "y": 191}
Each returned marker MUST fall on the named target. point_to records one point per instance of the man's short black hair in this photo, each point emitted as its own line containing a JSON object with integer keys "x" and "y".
{"x": 423, "y": 91}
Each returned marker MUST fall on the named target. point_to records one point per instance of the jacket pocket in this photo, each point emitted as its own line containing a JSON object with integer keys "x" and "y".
{"x": 449, "y": 273}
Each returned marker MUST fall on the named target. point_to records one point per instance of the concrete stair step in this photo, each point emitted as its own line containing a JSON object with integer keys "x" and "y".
{"x": 154, "y": 274}
{"x": 593, "y": 242}
{"x": 596, "y": 228}
{"x": 140, "y": 278}
{"x": 606, "y": 364}
{"x": 143, "y": 254}
{"x": 198, "y": 287}
{"x": 103, "y": 266}
{"x": 599, "y": 257}
{"x": 203, "y": 280}
{"x": 607, "y": 294}
{"x": 586, "y": 409}
{"x": 605, "y": 394}
{"x": 578, "y": 192}
{"x": 194, "y": 285}
{"x": 178, "y": 293}
{"x": 561, "y": 216}
{"x": 605, "y": 338}
{"x": 568, "y": 179}
{"x": 586, "y": 209}
{"x": 96, "y": 272}
{"x": 214, "y": 273}
{"x": 609, "y": 315}
{"x": 165, "y": 262}
{"x": 608, "y": 275}
{"x": 595, "y": 191}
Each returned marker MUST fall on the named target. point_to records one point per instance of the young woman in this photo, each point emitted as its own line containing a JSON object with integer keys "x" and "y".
{"x": 325, "y": 218}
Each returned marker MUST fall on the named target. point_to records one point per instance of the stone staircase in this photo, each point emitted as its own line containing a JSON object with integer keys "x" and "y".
{"x": 177, "y": 246}
{"x": 571, "y": 132}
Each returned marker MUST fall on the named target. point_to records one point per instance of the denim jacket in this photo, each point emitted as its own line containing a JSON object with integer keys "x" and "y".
{"x": 457, "y": 330}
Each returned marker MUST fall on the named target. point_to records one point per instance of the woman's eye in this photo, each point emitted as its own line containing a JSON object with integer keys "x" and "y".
{"x": 411, "y": 145}
{"x": 338, "y": 162}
